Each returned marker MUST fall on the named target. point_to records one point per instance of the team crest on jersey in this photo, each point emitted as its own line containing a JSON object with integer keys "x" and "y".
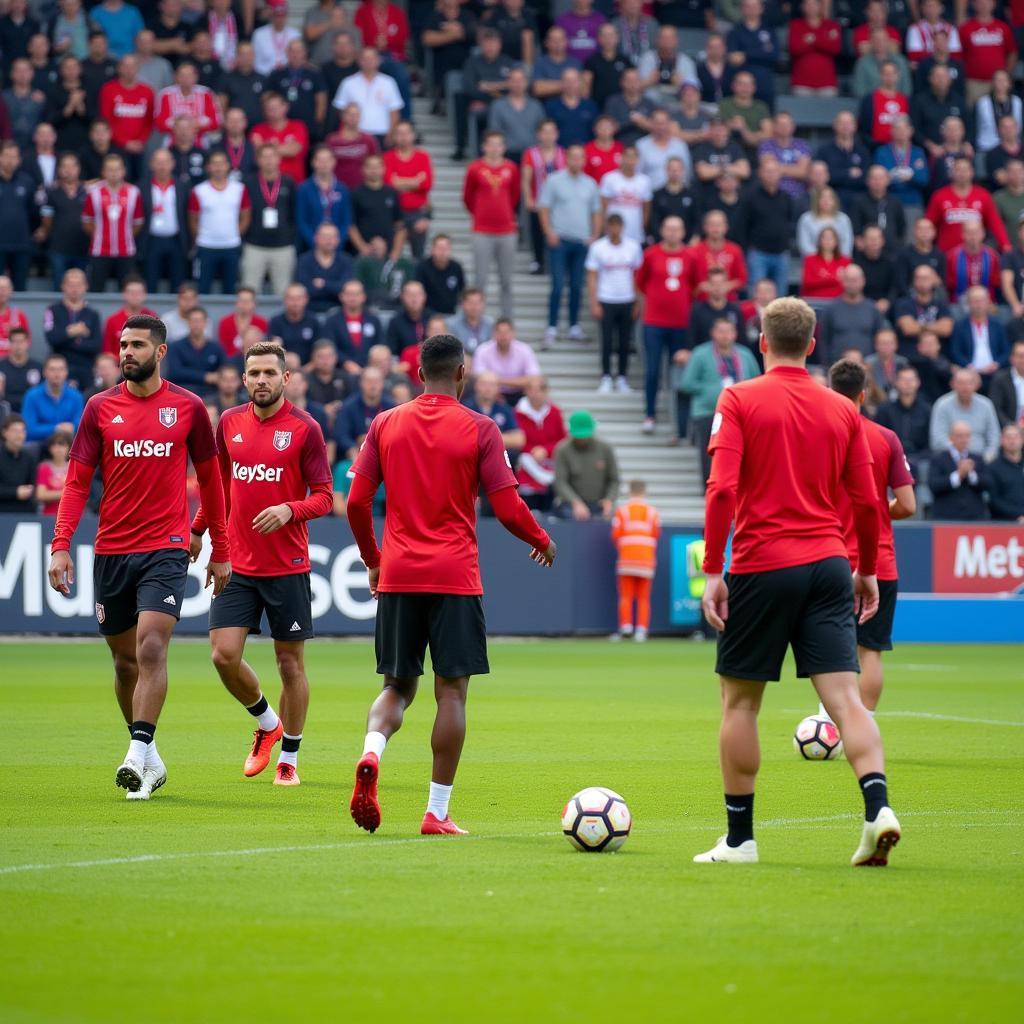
{"x": 101, "y": 613}
{"x": 282, "y": 438}
{"x": 169, "y": 416}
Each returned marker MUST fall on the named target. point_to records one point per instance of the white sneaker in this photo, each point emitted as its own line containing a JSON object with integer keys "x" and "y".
{"x": 576, "y": 333}
{"x": 647, "y": 427}
{"x": 722, "y": 853}
{"x": 622, "y": 386}
{"x": 550, "y": 336}
{"x": 605, "y": 387}
{"x": 129, "y": 775}
{"x": 152, "y": 780}
{"x": 640, "y": 636}
{"x": 616, "y": 638}
{"x": 877, "y": 839}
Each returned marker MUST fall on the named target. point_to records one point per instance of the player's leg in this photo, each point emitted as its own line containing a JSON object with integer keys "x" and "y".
{"x": 871, "y": 677}
{"x": 291, "y": 667}
{"x": 643, "y": 607}
{"x": 126, "y": 670}
{"x": 874, "y": 637}
{"x": 626, "y": 598}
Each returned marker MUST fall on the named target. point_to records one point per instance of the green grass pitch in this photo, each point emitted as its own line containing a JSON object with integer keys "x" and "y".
{"x": 225, "y": 898}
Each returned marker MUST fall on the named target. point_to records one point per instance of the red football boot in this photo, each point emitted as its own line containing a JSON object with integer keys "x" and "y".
{"x": 364, "y": 806}
{"x": 262, "y": 745}
{"x": 433, "y": 826}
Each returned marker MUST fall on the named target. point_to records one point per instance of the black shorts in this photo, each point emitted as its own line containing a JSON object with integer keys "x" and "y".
{"x": 452, "y": 625}
{"x": 807, "y": 606}
{"x": 124, "y": 585}
{"x": 287, "y": 600}
{"x": 876, "y": 633}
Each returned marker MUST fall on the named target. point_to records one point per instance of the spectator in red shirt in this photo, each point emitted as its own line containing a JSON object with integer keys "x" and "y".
{"x": 133, "y": 295}
{"x": 128, "y": 106}
{"x": 988, "y": 46}
{"x": 876, "y": 17}
{"x": 814, "y": 43}
{"x": 543, "y": 429}
{"x": 384, "y": 26}
{"x": 546, "y": 157}
{"x": 821, "y": 277}
{"x": 881, "y": 107}
{"x": 603, "y": 153}
{"x": 187, "y": 98}
{"x": 232, "y": 327}
{"x": 972, "y": 263}
{"x": 290, "y": 137}
{"x": 962, "y": 201}
{"x": 716, "y": 251}
{"x": 491, "y": 195}
{"x": 11, "y": 317}
{"x": 351, "y": 146}
{"x": 409, "y": 171}
{"x": 665, "y": 286}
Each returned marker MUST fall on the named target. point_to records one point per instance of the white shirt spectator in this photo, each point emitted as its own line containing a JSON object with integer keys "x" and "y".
{"x": 218, "y": 211}
{"x": 375, "y": 97}
{"x": 270, "y": 48}
{"x": 626, "y": 197}
{"x": 654, "y": 160}
{"x": 615, "y": 266}
{"x": 163, "y": 223}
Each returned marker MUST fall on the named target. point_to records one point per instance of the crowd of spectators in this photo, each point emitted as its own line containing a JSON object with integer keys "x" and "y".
{"x": 659, "y": 184}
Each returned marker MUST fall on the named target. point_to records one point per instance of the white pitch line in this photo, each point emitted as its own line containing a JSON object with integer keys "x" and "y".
{"x": 371, "y": 844}
{"x": 949, "y": 718}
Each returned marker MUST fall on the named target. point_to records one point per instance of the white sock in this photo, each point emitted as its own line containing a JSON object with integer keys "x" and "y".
{"x": 137, "y": 751}
{"x": 153, "y": 759}
{"x": 266, "y": 720}
{"x": 437, "y": 805}
{"x": 289, "y": 756}
{"x": 375, "y": 743}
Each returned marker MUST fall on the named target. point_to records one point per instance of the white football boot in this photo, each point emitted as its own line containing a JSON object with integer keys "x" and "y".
{"x": 877, "y": 839}
{"x": 129, "y": 775}
{"x": 153, "y": 777}
{"x": 722, "y": 853}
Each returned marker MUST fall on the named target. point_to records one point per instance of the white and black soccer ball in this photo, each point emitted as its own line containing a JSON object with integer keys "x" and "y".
{"x": 817, "y": 739}
{"x": 596, "y": 820}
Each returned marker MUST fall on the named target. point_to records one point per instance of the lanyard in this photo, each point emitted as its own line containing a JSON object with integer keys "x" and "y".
{"x": 235, "y": 154}
{"x": 270, "y": 195}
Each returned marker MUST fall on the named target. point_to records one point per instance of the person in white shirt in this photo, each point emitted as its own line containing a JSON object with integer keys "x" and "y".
{"x": 656, "y": 149}
{"x": 628, "y": 193}
{"x": 270, "y": 42}
{"x": 176, "y": 320}
{"x": 611, "y": 264}
{"x": 219, "y": 211}
{"x": 376, "y": 95}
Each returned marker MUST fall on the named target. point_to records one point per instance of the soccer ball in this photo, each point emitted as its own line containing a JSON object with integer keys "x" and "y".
{"x": 817, "y": 739}
{"x": 596, "y": 820}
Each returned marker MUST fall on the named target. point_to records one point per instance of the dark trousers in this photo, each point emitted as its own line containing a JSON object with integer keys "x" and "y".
{"x": 659, "y": 343}
{"x": 60, "y": 264}
{"x": 538, "y": 244}
{"x": 701, "y": 436}
{"x": 103, "y": 268}
{"x": 164, "y": 261}
{"x": 616, "y": 333}
{"x": 462, "y": 116}
{"x": 15, "y": 264}
{"x": 567, "y": 260}
{"x": 218, "y": 263}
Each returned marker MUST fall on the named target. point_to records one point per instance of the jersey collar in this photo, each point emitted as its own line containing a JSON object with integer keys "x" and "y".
{"x": 286, "y": 408}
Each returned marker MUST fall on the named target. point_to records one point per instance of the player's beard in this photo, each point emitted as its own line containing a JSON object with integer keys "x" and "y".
{"x": 263, "y": 399}
{"x": 140, "y": 372}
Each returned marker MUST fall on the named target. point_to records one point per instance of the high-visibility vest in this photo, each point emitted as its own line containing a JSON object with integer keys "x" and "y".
{"x": 635, "y": 530}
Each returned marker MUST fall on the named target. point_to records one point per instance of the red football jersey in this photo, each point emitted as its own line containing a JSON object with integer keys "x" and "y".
{"x": 142, "y": 447}
{"x": 200, "y": 104}
{"x": 491, "y": 194}
{"x": 796, "y": 439}
{"x": 948, "y": 211}
{"x": 387, "y": 30}
{"x": 268, "y": 462}
{"x": 890, "y": 469}
{"x": 729, "y": 258}
{"x": 230, "y": 336}
{"x": 114, "y": 215}
{"x": 666, "y": 279}
{"x": 600, "y": 162}
{"x": 418, "y": 163}
{"x": 293, "y": 167}
{"x": 987, "y": 47}
{"x": 11, "y": 317}
{"x": 434, "y": 457}
{"x": 128, "y": 111}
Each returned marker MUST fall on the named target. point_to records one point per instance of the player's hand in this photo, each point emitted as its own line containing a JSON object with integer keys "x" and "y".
{"x": 271, "y": 519}
{"x": 545, "y": 557}
{"x": 62, "y": 572}
{"x": 715, "y": 602}
{"x": 195, "y": 545}
{"x": 374, "y": 579}
{"x": 865, "y": 597}
{"x": 217, "y": 573}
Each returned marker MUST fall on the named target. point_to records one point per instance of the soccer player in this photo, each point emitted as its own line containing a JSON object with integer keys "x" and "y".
{"x": 890, "y": 469}
{"x": 140, "y": 434}
{"x": 782, "y": 445}
{"x": 434, "y": 456}
{"x": 271, "y": 455}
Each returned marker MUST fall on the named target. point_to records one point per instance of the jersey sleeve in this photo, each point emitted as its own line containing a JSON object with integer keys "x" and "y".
{"x": 315, "y": 469}
{"x": 899, "y": 467}
{"x": 202, "y": 445}
{"x": 727, "y": 426}
{"x": 87, "y": 446}
{"x": 495, "y": 466}
{"x": 367, "y": 462}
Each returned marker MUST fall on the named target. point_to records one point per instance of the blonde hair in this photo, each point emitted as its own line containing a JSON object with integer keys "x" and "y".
{"x": 788, "y": 326}
{"x": 816, "y": 198}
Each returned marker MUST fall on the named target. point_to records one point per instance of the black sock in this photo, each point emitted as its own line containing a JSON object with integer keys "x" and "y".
{"x": 290, "y": 744}
{"x": 740, "y": 812}
{"x": 143, "y": 731}
{"x": 259, "y": 707}
{"x": 876, "y": 794}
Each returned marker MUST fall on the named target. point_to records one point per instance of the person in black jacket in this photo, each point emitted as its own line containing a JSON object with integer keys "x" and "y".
{"x": 16, "y": 209}
{"x": 17, "y": 468}
{"x": 674, "y": 199}
{"x": 877, "y": 207}
{"x": 270, "y": 241}
{"x": 18, "y": 370}
{"x": 930, "y": 108}
{"x": 295, "y": 327}
{"x": 958, "y": 479}
{"x": 1006, "y": 491}
{"x": 1004, "y": 389}
{"x": 764, "y": 225}
{"x": 194, "y": 362}
{"x": 908, "y": 416}
{"x": 442, "y": 277}
{"x": 74, "y": 329}
{"x": 847, "y": 159}
{"x": 353, "y": 330}
{"x": 920, "y": 249}
{"x": 66, "y": 106}
{"x": 409, "y": 325}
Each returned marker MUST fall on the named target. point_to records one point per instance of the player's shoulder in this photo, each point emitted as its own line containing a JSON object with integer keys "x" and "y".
{"x": 231, "y": 414}
{"x": 303, "y": 417}
{"x": 94, "y": 402}
{"x": 184, "y": 397}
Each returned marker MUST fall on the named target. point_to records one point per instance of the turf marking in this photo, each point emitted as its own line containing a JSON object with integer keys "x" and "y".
{"x": 931, "y": 716}
{"x": 368, "y": 844}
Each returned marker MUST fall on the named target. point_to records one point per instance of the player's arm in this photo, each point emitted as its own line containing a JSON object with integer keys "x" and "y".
{"x": 199, "y": 524}
{"x": 366, "y": 478}
{"x": 211, "y": 494}
{"x": 860, "y": 486}
{"x": 903, "y": 504}
{"x": 513, "y": 514}
{"x": 901, "y": 481}
{"x": 316, "y": 472}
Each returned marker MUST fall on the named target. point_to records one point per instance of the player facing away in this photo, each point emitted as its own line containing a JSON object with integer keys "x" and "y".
{"x": 141, "y": 434}
{"x": 273, "y": 462}
{"x": 782, "y": 446}
{"x": 891, "y": 471}
{"x": 434, "y": 457}
{"x": 635, "y": 531}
